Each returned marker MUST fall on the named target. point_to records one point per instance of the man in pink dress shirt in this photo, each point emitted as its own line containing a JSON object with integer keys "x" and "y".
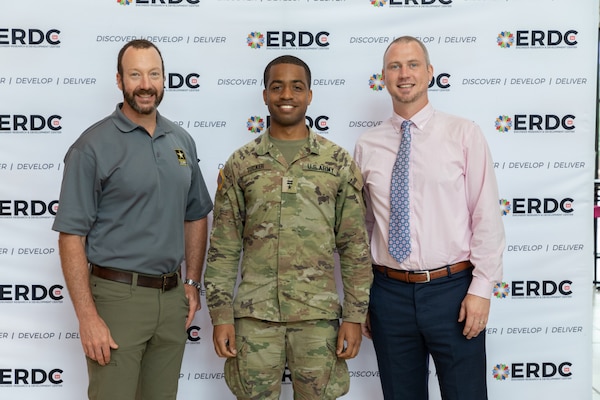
{"x": 437, "y": 300}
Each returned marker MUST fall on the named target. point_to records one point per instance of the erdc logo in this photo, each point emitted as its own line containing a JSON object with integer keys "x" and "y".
{"x": 177, "y": 81}
{"x": 537, "y": 207}
{"x": 442, "y": 81}
{"x": 288, "y": 39}
{"x": 537, "y": 39}
{"x": 33, "y": 293}
{"x": 193, "y": 333}
{"x": 33, "y": 377}
{"x": 29, "y": 37}
{"x": 533, "y": 289}
{"x": 29, "y": 123}
{"x": 533, "y": 371}
{"x": 25, "y": 208}
{"x": 413, "y": 3}
{"x": 535, "y": 123}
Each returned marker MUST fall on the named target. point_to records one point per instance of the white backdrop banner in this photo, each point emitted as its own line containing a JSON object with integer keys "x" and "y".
{"x": 524, "y": 70}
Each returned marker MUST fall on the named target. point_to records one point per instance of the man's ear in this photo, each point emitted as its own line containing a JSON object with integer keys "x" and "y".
{"x": 119, "y": 81}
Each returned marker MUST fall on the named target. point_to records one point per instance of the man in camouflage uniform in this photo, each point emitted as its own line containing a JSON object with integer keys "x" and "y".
{"x": 289, "y": 200}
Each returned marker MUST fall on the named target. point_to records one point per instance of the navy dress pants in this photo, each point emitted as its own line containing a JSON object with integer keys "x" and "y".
{"x": 410, "y": 321}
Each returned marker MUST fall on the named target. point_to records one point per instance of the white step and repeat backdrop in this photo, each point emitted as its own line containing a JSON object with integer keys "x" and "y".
{"x": 524, "y": 70}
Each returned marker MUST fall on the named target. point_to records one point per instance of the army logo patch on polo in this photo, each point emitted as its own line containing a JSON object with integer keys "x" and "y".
{"x": 181, "y": 157}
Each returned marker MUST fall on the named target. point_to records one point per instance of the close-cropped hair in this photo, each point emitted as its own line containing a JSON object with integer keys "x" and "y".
{"x": 286, "y": 59}
{"x": 408, "y": 39}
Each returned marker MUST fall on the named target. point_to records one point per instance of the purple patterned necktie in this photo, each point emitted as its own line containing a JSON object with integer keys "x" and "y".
{"x": 399, "y": 237}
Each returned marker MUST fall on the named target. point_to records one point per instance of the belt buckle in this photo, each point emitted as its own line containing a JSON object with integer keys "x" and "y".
{"x": 164, "y": 283}
{"x": 426, "y": 273}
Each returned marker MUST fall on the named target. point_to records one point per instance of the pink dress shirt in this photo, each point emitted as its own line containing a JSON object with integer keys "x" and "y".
{"x": 454, "y": 209}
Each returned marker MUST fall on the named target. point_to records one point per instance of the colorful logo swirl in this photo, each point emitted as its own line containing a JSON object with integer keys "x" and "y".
{"x": 255, "y": 40}
{"x": 503, "y": 123}
{"x": 505, "y": 206}
{"x": 376, "y": 82}
{"x": 505, "y": 40}
{"x": 501, "y": 290}
{"x": 255, "y": 124}
{"x": 378, "y": 3}
{"x": 501, "y": 372}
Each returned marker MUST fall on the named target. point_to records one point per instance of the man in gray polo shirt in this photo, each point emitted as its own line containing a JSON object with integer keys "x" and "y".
{"x": 133, "y": 203}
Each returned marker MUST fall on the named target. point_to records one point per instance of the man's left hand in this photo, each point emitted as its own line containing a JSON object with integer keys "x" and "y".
{"x": 191, "y": 293}
{"x": 474, "y": 311}
{"x": 349, "y": 338}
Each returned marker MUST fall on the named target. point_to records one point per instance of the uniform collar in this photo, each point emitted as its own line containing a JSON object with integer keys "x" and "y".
{"x": 265, "y": 145}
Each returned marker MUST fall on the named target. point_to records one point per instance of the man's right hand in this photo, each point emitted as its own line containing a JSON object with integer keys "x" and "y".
{"x": 95, "y": 335}
{"x": 96, "y": 339}
{"x": 224, "y": 340}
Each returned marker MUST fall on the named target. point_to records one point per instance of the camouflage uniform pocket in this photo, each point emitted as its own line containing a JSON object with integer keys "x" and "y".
{"x": 235, "y": 374}
{"x": 317, "y": 372}
{"x": 339, "y": 378}
{"x": 256, "y": 372}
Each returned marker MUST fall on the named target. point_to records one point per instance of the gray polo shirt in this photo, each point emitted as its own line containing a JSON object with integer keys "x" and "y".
{"x": 130, "y": 193}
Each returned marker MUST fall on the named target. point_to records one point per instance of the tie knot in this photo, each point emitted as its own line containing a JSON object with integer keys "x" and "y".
{"x": 406, "y": 125}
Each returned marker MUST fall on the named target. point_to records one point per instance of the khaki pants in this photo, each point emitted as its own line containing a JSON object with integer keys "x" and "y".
{"x": 308, "y": 347}
{"x": 149, "y": 327}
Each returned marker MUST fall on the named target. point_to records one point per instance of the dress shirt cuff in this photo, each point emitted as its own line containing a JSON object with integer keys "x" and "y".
{"x": 481, "y": 287}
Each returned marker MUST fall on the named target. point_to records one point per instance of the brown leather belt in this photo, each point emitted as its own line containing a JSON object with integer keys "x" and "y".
{"x": 163, "y": 282}
{"x": 422, "y": 276}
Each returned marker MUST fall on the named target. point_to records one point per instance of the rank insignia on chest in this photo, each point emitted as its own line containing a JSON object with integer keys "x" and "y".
{"x": 181, "y": 157}
{"x": 289, "y": 184}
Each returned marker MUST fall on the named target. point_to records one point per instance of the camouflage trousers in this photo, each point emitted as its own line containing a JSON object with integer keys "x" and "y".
{"x": 308, "y": 347}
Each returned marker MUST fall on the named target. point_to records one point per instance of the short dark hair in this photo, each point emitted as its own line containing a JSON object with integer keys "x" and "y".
{"x": 287, "y": 59}
{"x": 137, "y": 44}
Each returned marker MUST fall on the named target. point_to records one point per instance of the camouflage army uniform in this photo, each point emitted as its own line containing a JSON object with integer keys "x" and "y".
{"x": 289, "y": 220}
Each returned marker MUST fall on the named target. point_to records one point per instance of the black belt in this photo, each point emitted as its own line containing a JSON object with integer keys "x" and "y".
{"x": 422, "y": 276}
{"x": 163, "y": 282}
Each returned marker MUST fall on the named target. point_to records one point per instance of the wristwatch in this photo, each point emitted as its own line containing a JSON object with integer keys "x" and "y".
{"x": 193, "y": 283}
